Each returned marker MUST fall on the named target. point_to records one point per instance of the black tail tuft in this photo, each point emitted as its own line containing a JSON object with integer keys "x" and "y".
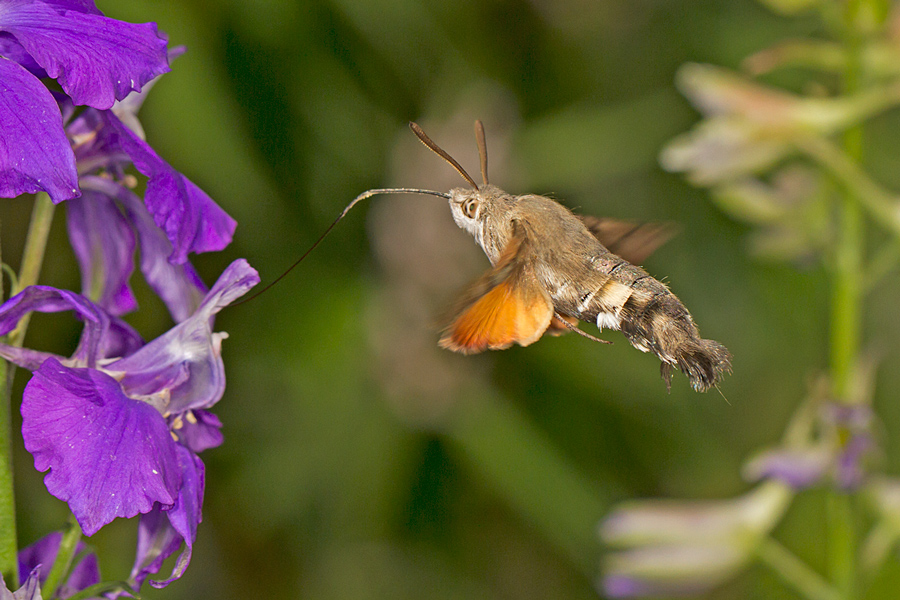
{"x": 703, "y": 361}
{"x": 662, "y": 325}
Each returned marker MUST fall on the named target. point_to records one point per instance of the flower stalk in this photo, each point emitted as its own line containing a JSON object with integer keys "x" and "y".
{"x": 68, "y": 547}
{"x": 8, "y": 544}
{"x": 795, "y": 572}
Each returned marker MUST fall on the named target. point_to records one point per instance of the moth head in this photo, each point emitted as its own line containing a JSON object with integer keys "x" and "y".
{"x": 486, "y": 213}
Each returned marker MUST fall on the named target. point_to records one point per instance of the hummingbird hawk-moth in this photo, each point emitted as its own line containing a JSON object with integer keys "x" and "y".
{"x": 551, "y": 269}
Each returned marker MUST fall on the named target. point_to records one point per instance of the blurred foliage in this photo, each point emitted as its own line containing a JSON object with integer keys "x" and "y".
{"x": 361, "y": 461}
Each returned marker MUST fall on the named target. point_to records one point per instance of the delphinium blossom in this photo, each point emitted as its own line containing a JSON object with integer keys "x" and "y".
{"x": 118, "y": 425}
{"x": 789, "y": 164}
{"x": 96, "y": 60}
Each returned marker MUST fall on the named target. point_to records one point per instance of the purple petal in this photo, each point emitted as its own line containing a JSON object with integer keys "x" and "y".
{"x": 104, "y": 246}
{"x": 85, "y": 6}
{"x": 42, "y": 554}
{"x": 13, "y": 50}
{"x": 799, "y": 468}
{"x": 35, "y": 155}
{"x": 109, "y": 456}
{"x": 162, "y": 532}
{"x": 190, "y": 218}
{"x": 178, "y": 285}
{"x": 185, "y": 516}
{"x": 95, "y": 59}
{"x": 157, "y": 541}
{"x": 850, "y": 469}
{"x": 199, "y": 430}
{"x": 623, "y": 586}
{"x": 236, "y": 280}
{"x": 28, "y": 358}
{"x": 30, "y": 590}
{"x": 186, "y": 360}
{"x": 104, "y": 336}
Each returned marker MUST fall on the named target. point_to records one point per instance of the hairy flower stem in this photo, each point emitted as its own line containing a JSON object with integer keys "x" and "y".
{"x": 32, "y": 259}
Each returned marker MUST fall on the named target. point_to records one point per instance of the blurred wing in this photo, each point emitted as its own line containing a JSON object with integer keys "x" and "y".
{"x": 632, "y": 241}
{"x": 506, "y": 305}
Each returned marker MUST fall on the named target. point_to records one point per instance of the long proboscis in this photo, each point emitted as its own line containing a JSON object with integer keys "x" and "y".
{"x": 357, "y": 200}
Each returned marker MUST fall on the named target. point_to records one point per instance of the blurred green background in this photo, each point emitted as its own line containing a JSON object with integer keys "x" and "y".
{"x": 360, "y": 460}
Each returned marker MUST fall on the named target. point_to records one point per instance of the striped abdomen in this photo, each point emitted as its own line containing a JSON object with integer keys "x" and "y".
{"x": 616, "y": 294}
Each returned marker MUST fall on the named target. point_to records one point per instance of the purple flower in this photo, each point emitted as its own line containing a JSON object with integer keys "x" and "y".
{"x": 119, "y": 435}
{"x": 40, "y": 556}
{"x": 175, "y": 217}
{"x": 96, "y": 61}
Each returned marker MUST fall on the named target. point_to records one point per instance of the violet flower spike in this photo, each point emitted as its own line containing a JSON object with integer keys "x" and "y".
{"x": 120, "y": 437}
{"x": 95, "y": 59}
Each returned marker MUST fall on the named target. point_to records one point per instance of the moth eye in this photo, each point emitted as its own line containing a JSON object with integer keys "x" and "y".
{"x": 470, "y": 208}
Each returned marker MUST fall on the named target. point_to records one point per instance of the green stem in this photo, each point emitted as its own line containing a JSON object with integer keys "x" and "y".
{"x": 8, "y": 543}
{"x": 841, "y": 543}
{"x": 33, "y": 256}
{"x": 883, "y": 207}
{"x": 795, "y": 572}
{"x": 63, "y": 561}
{"x": 846, "y": 316}
{"x": 32, "y": 259}
{"x": 877, "y": 547}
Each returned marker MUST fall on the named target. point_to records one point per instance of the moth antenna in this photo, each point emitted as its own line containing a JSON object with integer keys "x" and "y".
{"x": 482, "y": 149}
{"x": 358, "y": 199}
{"x": 440, "y": 152}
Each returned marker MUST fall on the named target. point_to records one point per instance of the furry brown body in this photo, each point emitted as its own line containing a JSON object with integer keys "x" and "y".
{"x": 557, "y": 256}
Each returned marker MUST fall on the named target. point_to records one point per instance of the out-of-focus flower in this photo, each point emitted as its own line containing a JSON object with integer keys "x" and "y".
{"x": 828, "y": 442}
{"x": 96, "y": 60}
{"x": 670, "y": 548}
{"x": 791, "y": 210}
{"x": 30, "y": 590}
{"x": 750, "y": 127}
{"x": 119, "y": 433}
{"x": 40, "y": 556}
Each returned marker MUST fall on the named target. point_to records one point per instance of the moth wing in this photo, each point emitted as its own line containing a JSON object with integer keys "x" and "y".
{"x": 506, "y": 305}
{"x": 632, "y": 241}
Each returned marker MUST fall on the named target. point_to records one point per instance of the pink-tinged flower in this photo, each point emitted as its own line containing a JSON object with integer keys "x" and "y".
{"x": 675, "y": 548}
{"x": 119, "y": 434}
{"x": 40, "y": 556}
{"x": 749, "y": 127}
{"x": 96, "y": 60}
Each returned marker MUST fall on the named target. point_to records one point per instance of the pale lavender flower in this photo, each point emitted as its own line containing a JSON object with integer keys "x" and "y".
{"x": 672, "y": 548}
{"x": 30, "y": 590}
